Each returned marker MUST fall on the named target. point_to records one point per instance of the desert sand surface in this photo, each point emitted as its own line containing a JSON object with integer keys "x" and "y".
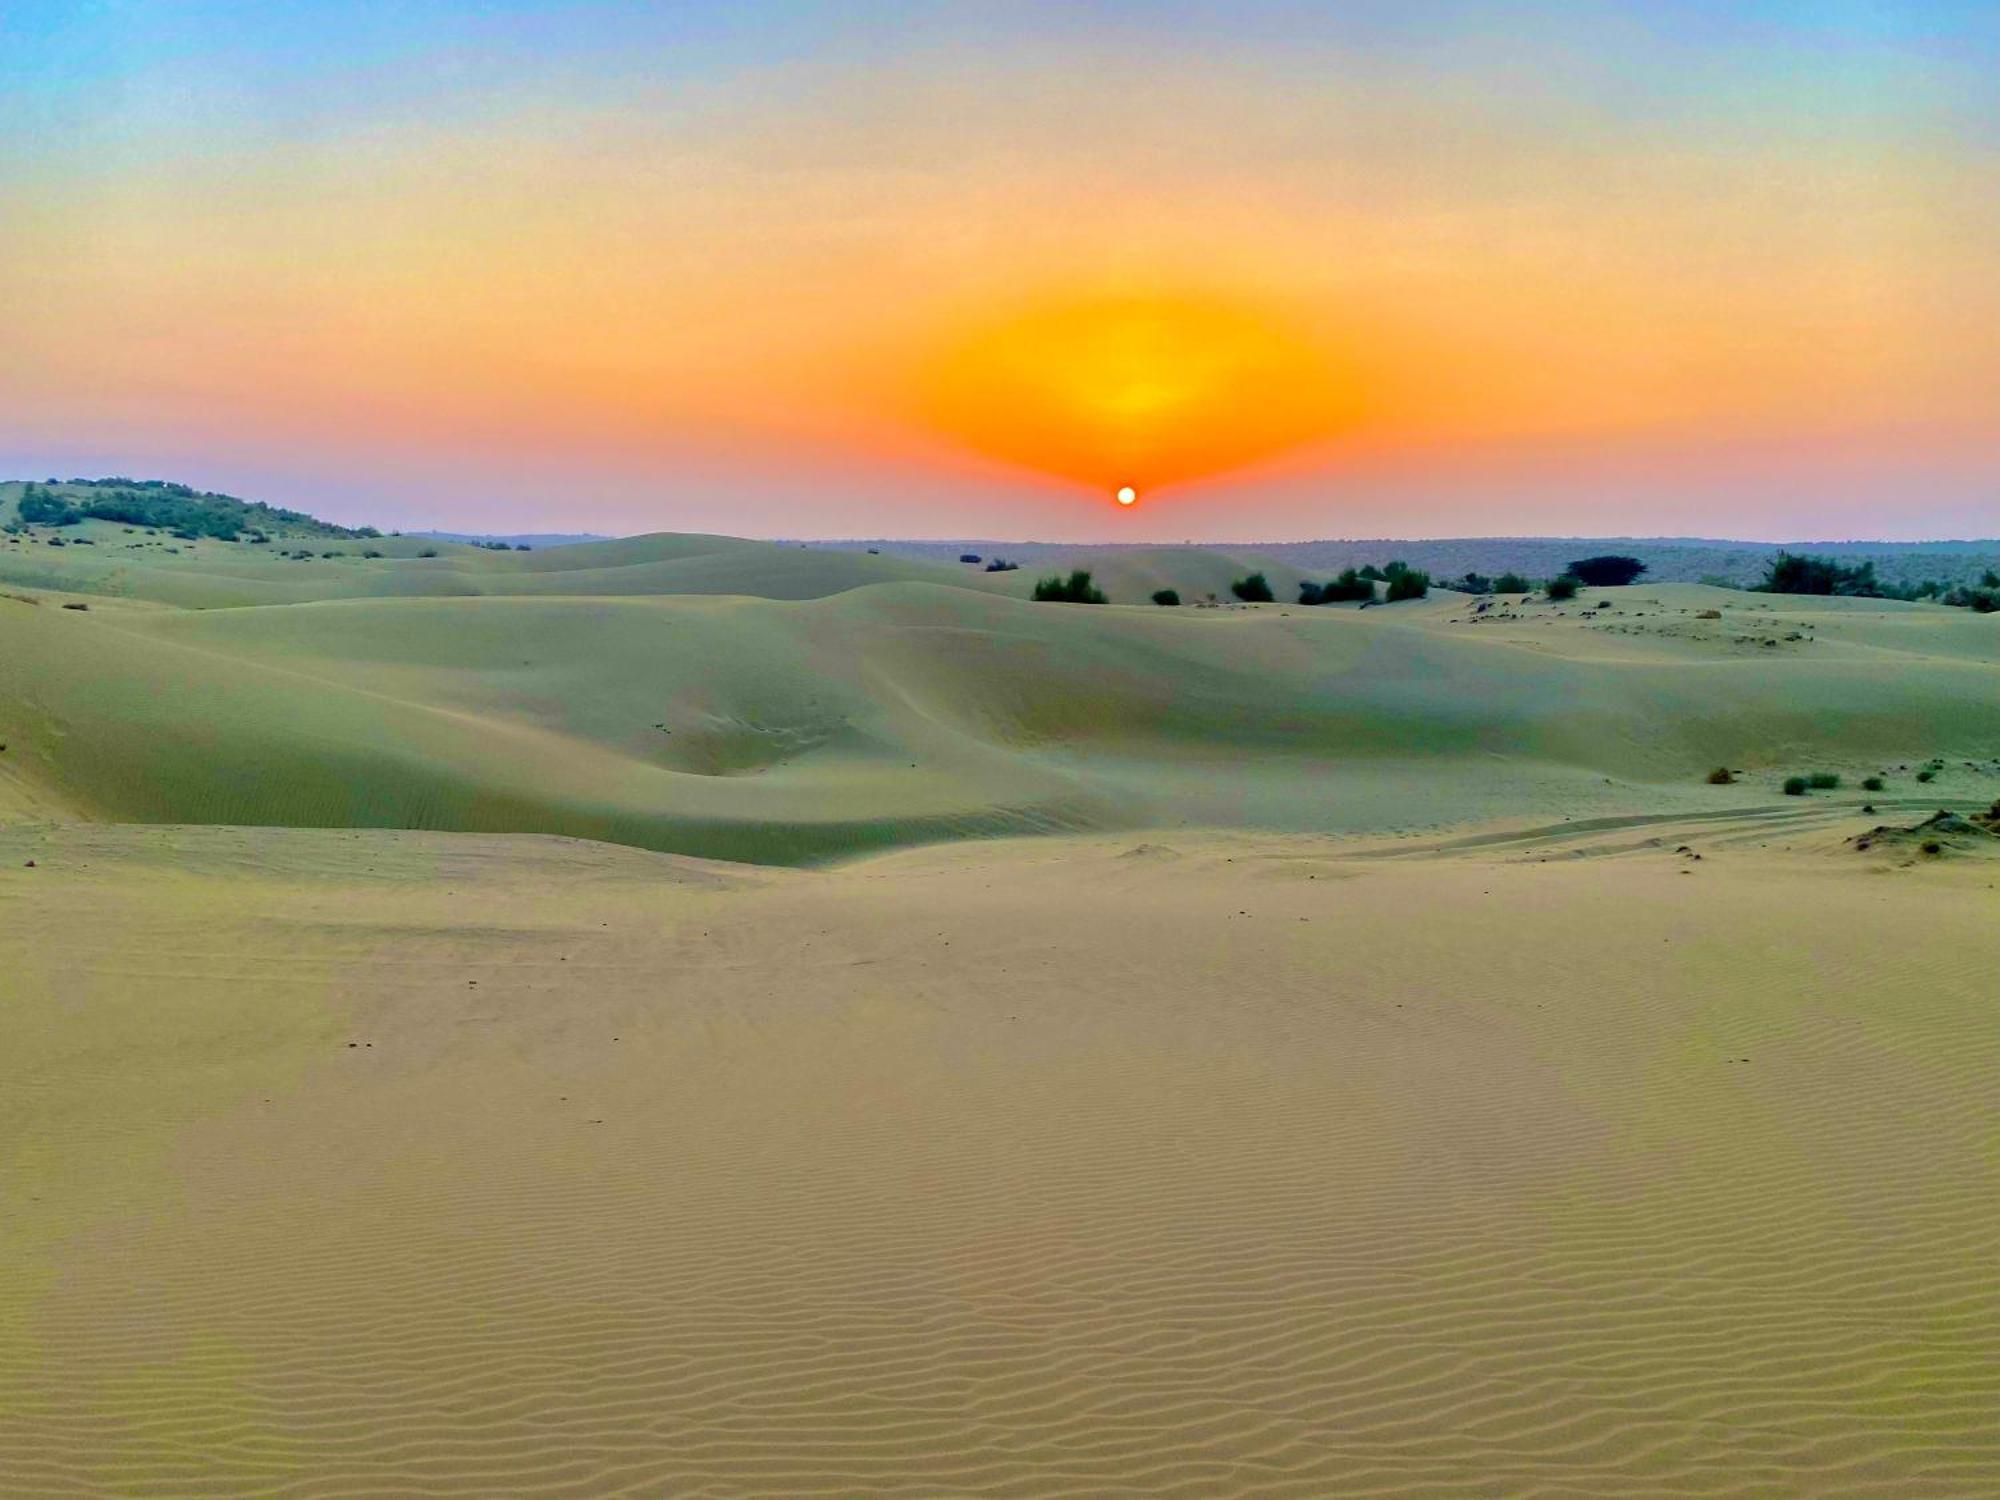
{"x": 1530, "y": 1161}
{"x": 683, "y": 1017}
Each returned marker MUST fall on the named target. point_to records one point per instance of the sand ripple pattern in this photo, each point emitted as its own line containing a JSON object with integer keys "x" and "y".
{"x": 1023, "y": 1173}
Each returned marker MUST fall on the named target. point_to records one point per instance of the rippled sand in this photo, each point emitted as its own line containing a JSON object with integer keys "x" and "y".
{"x": 1558, "y": 1163}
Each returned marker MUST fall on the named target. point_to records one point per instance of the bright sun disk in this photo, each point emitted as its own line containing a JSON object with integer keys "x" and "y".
{"x": 1127, "y": 495}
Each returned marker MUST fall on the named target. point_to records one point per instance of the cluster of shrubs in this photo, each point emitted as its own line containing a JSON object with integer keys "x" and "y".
{"x": 1001, "y": 565}
{"x": 1817, "y": 781}
{"x": 1795, "y": 573}
{"x": 158, "y": 505}
{"x": 1075, "y": 589}
{"x": 1398, "y": 579}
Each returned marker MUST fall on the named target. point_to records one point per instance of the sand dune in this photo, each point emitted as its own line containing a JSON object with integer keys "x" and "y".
{"x": 1395, "y": 1069}
{"x": 789, "y": 730}
{"x": 389, "y": 1163}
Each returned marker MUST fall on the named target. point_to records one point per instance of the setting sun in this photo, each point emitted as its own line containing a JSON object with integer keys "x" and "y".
{"x": 1135, "y": 390}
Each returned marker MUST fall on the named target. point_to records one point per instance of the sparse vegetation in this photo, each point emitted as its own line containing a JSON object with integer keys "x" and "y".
{"x": 1822, "y": 781}
{"x": 1166, "y": 596}
{"x": 1722, "y": 776}
{"x": 1512, "y": 583}
{"x": 1408, "y": 583}
{"x": 1927, "y": 775}
{"x": 1794, "y": 573}
{"x": 158, "y": 505}
{"x": 1560, "y": 589}
{"x": 1608, "y": 571}
{"x": 1872, "y": 783}
{"x": 1795, "y": 786}
{"x": 1001, "y": 565}
{"x": 1075, "y": 589}
{"x": 1253, "y": 589}
{"x": 1348, "y": 587}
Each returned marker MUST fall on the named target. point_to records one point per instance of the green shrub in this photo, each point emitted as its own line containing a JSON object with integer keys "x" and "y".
{"x": 1075, "y": 589}
{"x": 1512, "y": 583}
{"x": 1790, "y": 573}
{"x": 1927, "y": 774}
{"x": 1166, "y": 596}
{"x": 1309, "y": 592}
{"x": 1872, "y": 783}
{"x": 1795, "y": 786}
{"x": 1255, "y": 589}
{"x": 1348, "y": 587}
{"x": 1722, "y": 776}
{"x": 38, "y": 509}
{"x": 1372, "y": 573}
{"x": 1410, "y": 583}
{"x": 1822, "y": 781}
{"x": 1562, "y": 588}
{"x": 1609, "y": 571}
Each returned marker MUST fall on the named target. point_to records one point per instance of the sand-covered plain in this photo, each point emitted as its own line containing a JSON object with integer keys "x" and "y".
{"x": 597, "y": 1022}
{"x": 1532, "y": 1162}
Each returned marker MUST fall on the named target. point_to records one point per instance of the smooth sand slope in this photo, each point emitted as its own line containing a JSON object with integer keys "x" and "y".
{"x": 379, "y": 1163}
{"x": 790, "y": 730}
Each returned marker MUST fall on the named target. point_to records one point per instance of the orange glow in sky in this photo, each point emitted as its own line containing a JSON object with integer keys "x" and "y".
{"x": 1134, "y": 392}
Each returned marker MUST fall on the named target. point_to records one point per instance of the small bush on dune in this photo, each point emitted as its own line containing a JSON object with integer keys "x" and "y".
{"x": 1255, "y": 589}
{"x": 1795, "y": 786}
{"x": 1562, "y": 588}
{"x": 1609, "y": 571}
{"x": 1411, "y": 583}
{"x": 1822, "y": 781}
{"x": 1075, "y": 589}
{"x": 1790, "y": 573}
{"x": 1722, "y": 776}
{"x": 1166, "y": 596}
{"x": 1927, "y": 774}
{"x": 1512, "y": 583}
{"x": 1346, "y": 589}
{"x": 1001, "y": 565}
{"x": 1372, "y": 573}
{"x": 1872, "y": 783}
{"x": 1309, "y": 592}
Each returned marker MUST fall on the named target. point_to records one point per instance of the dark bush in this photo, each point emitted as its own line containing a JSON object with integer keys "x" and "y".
{"x": 1372, "y": 573}
{"x": 1927, "y": 774}
{"x": 1722, "y": 776}
{"x": 1472, "y": 583}
{"x": 1512, "y": 583}
{"x": 1562, "y": 588}
{"x": 1309, "y": 592}
{"x": 1348, "y": 587}
{"x": 428, "y": 552}
{"x": 1075, "y": 589}
{"x": 1791, "y": 573}
{"x": 1822, "y": 781}
{"x": 1000, "y": 565}
{"x": 1255, "y": 589}
{"x": 969, "y": 557}
{"x": 1795, "y": 786}
{"x": 38, "y": 509}
{"x": 1872, "y": 783}
{"x": 1166, "y": 596}
{"x": 1410, "y": 583}
{"x": 1609, "y": 571}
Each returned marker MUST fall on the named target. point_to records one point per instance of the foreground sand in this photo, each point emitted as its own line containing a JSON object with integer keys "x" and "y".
{"x": 377, "y": 1163}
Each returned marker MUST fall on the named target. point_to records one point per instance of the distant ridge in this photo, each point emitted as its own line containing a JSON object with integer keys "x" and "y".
{"x": 514, "y": 539}
{"x": 1668, "y": 559}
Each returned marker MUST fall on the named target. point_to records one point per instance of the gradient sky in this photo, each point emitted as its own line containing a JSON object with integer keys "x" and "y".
{"x": 1436, "y": 267}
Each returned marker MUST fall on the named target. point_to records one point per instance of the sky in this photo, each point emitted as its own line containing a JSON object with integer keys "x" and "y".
{"x": 1424, "y": 268}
